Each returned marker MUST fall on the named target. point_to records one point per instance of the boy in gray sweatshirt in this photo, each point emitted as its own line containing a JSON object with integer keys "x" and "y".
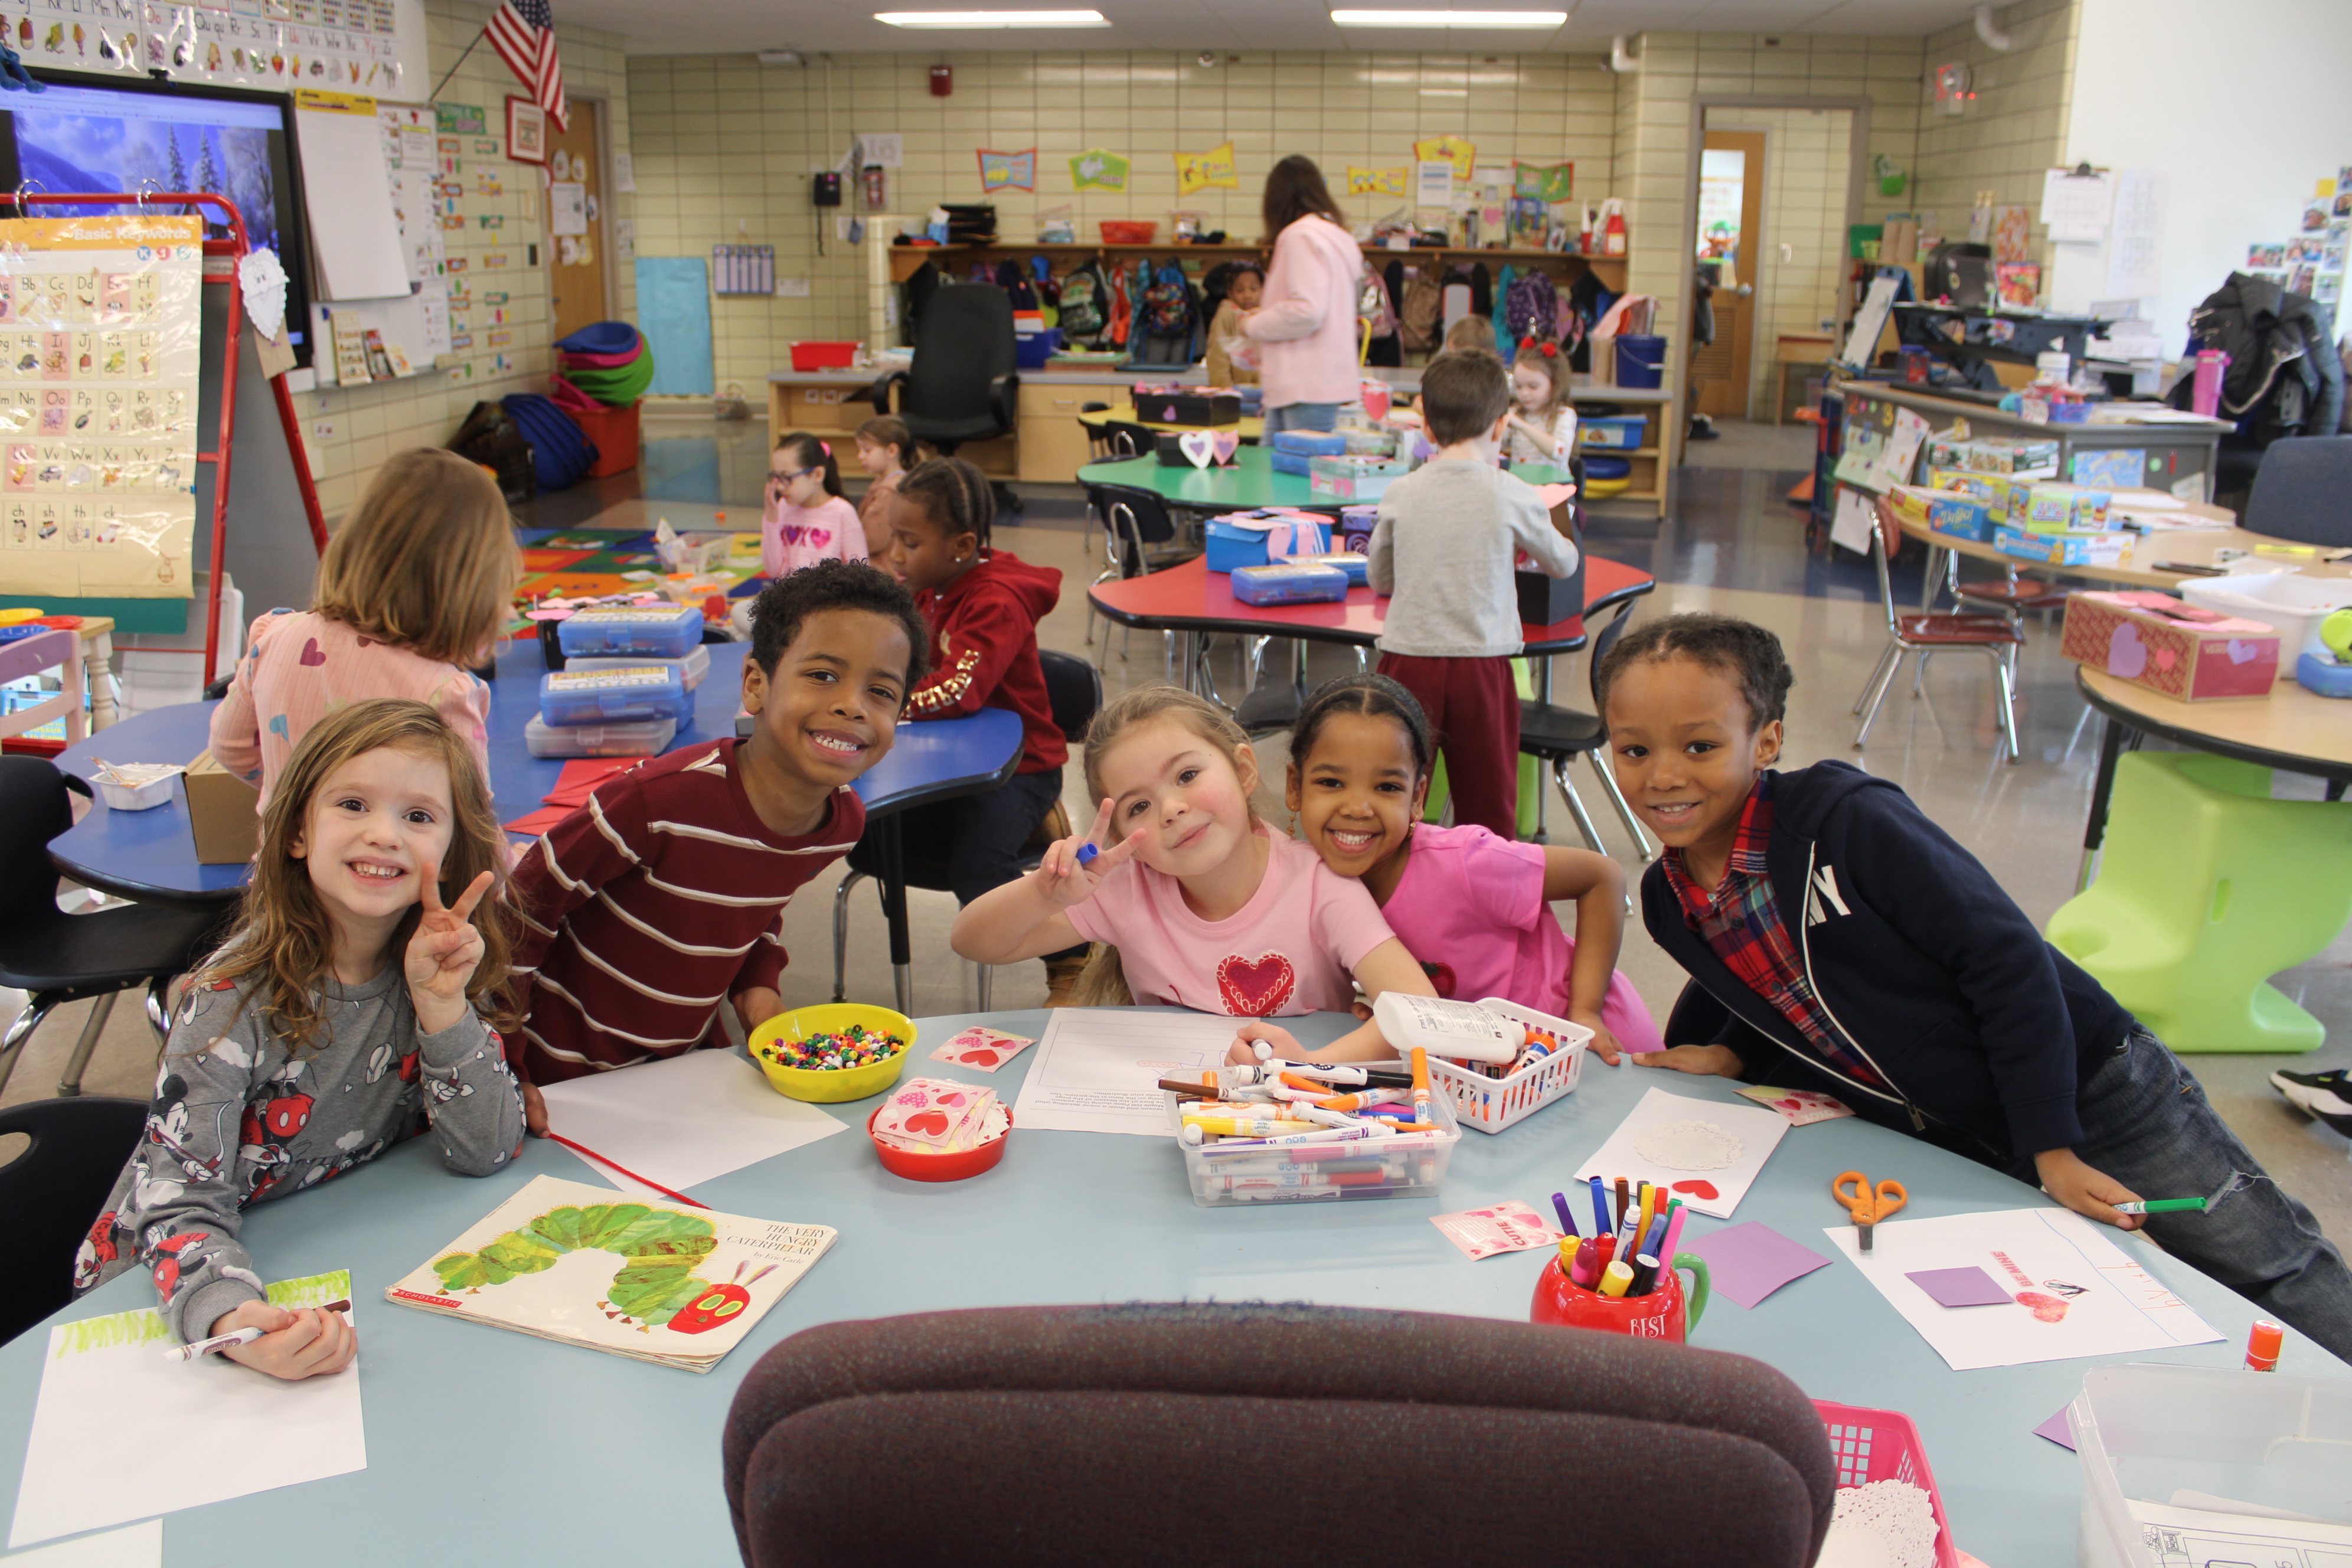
{"x": 1445, "y": 545}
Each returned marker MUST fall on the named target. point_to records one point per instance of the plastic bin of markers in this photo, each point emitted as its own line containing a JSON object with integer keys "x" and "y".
{"x": 1491, "y": 1104}
{"x": 1883, "y": 1446}
{"x": 1317, "y": 1172}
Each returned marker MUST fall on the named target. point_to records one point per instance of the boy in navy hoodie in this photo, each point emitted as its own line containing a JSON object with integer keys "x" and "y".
{"x": 1837, "y": 939}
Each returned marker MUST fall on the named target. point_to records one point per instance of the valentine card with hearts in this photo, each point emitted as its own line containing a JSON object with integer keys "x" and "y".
{"x": 983, "y": 1048}
{"x": 1500, "y": 1227}
{"x": 938, "y": 1115}
{"x": 1705, "y": 1152}
{"x": 1803, "y": 1107}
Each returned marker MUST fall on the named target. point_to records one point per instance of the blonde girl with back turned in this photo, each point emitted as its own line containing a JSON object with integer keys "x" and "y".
{"x": 412, "y": 592}
{"x": 346, "y": 1012}
{"x": 1205, "y": 907}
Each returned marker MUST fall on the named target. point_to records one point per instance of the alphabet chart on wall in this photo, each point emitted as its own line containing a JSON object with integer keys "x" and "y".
{"x": 99, "y": 330}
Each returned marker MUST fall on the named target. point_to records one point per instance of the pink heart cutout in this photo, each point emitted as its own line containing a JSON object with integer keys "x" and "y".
{"x": 310, "y": 654}
{"x": 930, "y": 1121}
{"x": 1697, "y": 1189}
{"x": 2165, "y": 658}
{"x": 2242, "y": 651}
{"x": 2126, "y": 655}
{"x": 1228, "y": 443}
{"x": 986, "y": 1059}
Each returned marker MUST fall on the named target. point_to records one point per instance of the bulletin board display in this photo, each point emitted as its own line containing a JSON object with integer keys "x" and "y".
{"x": 100, "y": 322}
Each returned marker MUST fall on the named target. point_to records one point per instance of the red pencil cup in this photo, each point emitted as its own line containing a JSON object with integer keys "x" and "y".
{"x": 1656, "y": 1316}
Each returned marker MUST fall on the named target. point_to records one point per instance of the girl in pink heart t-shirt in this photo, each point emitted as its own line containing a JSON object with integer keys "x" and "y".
{"x": 806, "y": 519}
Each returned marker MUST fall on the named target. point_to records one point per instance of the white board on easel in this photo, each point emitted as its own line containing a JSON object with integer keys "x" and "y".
{"x": 356, "y": 242}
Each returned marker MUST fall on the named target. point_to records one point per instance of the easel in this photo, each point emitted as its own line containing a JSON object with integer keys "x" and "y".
{"x": 232, "y": 250}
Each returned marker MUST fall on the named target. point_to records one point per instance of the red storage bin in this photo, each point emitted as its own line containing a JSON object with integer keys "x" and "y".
{"x": 1128, "y": 231}
{"x": 823, "y": 356}
{"x": 614, "y": 431}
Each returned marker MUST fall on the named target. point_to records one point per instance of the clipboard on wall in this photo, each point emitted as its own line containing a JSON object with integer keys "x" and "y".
{"x": 2077, "y": 203}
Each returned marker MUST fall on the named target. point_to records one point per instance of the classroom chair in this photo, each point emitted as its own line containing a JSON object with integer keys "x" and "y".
{"x": 2299, "y": 490}
{"x": 962, "y": 383}
{"x": 59, "y": 957}
{"x": 1928, "y": 635}
{"x": 1074, "y": 695}
{"x": 52, "y": 1191}
{"x": 1088, "y": 1435}
{"x": 1556, "y": 736}
{"x": 2009, "y": 596}
{"x": 58, "y": 649}
{"x": 2207, "y": 888}
{"x": 1140, "y": 537}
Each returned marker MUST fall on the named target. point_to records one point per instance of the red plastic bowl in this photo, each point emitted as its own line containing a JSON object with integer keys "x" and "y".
{"x": 953, "y": 1167}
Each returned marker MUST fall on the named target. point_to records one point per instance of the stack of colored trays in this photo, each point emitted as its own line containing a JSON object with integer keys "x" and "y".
{"x": 609, "y": 362}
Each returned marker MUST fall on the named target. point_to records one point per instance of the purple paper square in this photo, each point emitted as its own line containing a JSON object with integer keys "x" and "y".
{"x": 2059, "y": 1430}
{"x": 1747, "y": 1262}
{"x": 1969, "y": 1286}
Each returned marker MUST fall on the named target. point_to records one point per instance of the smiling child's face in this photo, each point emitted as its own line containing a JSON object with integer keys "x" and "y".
{"x": 1688, "y": 750}
{"x": 1179, "y": 790}
{"x": 1358, "y": 793}
{"x": 829, "y": 710}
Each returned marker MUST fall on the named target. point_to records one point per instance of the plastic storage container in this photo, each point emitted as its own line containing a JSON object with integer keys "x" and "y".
{"x": 1232, "y": 545}
{"x": 1128, "y": 231}
{"x": 664, "y": 631}
{"x": 1292, "y": 582}
{"x": 646, "y": 738}
{"x": 1614, "y": 432}
{"x": 1031, "y": 349}
{"x": 1318, "y": 1172}
{"x": 1354, "y": 478}
{"x": 823, "y": 356}
{"x": 1883, "y": 1446}
{"x": 823, "y": 1085}
{"x": 614, "y": 432}
{"x": 2293, "y": 603}
{"x": 1640, "y": 361}
{"x": 1310, "y": 443}
{"x": 1491, "y": 1104}
{"x": 1352, "y": 563}
{"x": 2146, "y": 1431}
{"x": 692, "y": 668}
{"x": 623, "y": 696}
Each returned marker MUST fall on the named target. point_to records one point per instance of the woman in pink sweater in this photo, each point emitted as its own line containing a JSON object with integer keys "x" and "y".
{"x": 1306, "y": 325}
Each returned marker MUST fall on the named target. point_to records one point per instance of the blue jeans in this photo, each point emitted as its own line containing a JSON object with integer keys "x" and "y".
{"x": 1302, "y": 417}
{"x": 2147, "y": 1122}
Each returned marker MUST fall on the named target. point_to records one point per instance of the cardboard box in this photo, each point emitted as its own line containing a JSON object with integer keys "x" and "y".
{"x": 1187, "y": 405}
{"x": 2062, "y": 549}
{"x": 2019, "y": 459}
{"x": 1233, "y": 544}
{"x": 224, "y": 811}
{"x": 2175, "y": 649}
{"x": 1962, "y": 517}
{"x": 2054, "y": 508}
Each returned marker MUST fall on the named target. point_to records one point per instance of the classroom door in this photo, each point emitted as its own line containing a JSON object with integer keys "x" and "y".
{"x": 1730, "y": 218}
{"x": 575, "y": 260}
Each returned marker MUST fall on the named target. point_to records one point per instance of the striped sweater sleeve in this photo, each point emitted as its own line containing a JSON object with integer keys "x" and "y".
{"x": 599, "y": 843}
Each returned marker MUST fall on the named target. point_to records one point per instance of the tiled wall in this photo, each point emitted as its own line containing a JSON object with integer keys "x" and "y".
{"x": 724, "y": 146}
{"x": 1807, "y": 152}
{"x": 2012, "y": 133}
{"x": 371, "y": 423}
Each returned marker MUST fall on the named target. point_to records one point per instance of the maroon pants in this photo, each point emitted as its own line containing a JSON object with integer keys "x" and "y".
{"x": 1473, "y": 714}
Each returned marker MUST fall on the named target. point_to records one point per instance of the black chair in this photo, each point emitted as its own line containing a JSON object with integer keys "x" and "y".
{"x": 1074, "y": 695}
{"x": 1559, "y": 735}
{"x": 60, "y": 958}
{"x": 2299, "y": 491}
{"x": 1140, "y": 537}
{"x": 52, "y": 1191}
{"x": 962, "y": 385}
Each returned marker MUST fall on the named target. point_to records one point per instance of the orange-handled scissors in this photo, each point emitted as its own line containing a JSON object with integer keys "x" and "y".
{"x": 1867, "y": 1205}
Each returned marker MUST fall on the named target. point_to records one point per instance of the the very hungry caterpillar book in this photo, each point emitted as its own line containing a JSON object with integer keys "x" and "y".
{"x": 586, "y": 1266}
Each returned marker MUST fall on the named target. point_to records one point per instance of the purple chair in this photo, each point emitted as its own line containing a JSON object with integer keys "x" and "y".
{"x": 1132, "y": 1434}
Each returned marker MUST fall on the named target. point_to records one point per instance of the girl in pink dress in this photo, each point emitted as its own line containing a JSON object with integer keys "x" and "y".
{"x": 806, "y": 518}
{"x": 1472, "y": 907}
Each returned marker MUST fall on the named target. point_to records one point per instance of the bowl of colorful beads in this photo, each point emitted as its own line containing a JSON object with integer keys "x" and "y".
{"x": 833, "y": 1052}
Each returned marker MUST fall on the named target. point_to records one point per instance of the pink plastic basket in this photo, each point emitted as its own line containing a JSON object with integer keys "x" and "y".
{"x": 1883, "y": 1446}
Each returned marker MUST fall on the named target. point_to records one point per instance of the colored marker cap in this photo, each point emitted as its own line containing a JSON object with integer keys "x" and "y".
{"x": 1087, "y": 852}
{"x": 2262, "y": 1344}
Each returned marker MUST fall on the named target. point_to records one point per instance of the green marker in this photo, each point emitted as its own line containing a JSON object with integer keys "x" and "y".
{"x": 2161, "y": 1205}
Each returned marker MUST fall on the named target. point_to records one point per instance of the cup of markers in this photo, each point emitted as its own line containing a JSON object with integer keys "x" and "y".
{"x": 1294, "y": 1131}
{"x": 835, "y": 1052}
{"x": 1618, "y": 1277}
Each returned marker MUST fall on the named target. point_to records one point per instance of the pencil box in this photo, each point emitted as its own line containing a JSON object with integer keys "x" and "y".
{"x": 665, "y": 631}
{"x": 633, "y": 692}
{"x": 1347, "y": 477}
{"x": 1289, "y": 584}
{"x": 1310, "y": 443}
{"x": 1348, "y": 560}
{"x": 645, "y": 738}
{"x": 2053, "y": 508}
{"x": 1283, "y": 462}
{"x": 691, "y": 668}
{"x": 2062, "y": 549}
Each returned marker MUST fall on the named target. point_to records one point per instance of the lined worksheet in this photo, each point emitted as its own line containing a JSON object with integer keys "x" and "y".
{"x": 1098, "y": 1068}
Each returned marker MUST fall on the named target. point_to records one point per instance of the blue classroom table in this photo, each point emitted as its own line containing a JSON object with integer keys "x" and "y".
{"x": 562, "y": 1455}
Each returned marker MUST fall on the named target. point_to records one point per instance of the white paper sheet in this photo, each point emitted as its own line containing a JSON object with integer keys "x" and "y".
{"x": 2075, "y": 208}
{"x": 2113, "y": 1305}
{"x": 120, "y": 1432}
{"x": 2136, "y": 248}
{"x": 354, "y": 236}
{"x": 1097, "y": 1069}
{"x": 1869, "y": 322}
{"x": 2193, "y": 1538}
{"x": 139, "y": 1546}
{"x": 682, "y": 1122}
{"x": 1716, "y": 1193}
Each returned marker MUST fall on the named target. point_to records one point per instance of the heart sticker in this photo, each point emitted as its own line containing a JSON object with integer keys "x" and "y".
{"x": 310, "y": 654}
{"x": 2048, "y": 1309}
{"x": 1167, "y": 414}
{"x": 1197, "y": 445}
{"x": 931, "y": 1121}
{"x": 1697, "y": 1189}
{"x": 1254, "y": 987}
{"x": 983, "y": 1058}
{"x": 2165, "y": 658}
{"x": 2126, "y": 655}
{"x": 2242, "y": 651}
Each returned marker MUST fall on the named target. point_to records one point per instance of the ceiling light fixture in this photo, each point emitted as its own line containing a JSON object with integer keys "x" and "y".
{"x": 994, "y": 19}
{"x": 1449, "y": 19}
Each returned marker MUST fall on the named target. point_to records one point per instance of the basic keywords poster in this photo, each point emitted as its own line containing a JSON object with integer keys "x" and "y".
{"x": 355, "y": 239}
{"x": 123, "y": 1432}
{"x": 100, "y": 322}
{"x": 1098, "y": 1069}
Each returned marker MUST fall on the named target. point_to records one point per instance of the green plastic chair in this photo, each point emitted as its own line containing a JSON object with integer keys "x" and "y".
{"x": 2207, "y": 888}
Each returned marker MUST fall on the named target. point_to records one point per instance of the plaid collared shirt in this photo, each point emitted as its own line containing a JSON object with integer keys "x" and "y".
{"x": 1741, "y": 925}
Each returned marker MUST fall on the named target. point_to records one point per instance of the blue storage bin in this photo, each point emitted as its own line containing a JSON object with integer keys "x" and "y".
{"x": 1355, "y": 564}
{"x": 1283, "y": 462}
{"x": 1031, "y": 349}
{"x": 1311, "y": 442}
{"x": 1640, "y": 361}
{"x": 1612, "y": 432}
{"x": 614, "y": 695}
{"x": 1289, "y": 584}
{"x": 1232, "y": 547}
{"x": 665, "y": 631}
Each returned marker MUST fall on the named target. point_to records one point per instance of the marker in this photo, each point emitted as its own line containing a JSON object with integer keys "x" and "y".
{"x": 1646, "y": 1275}
{"x": 200, "y": 1348}
{"x": 2262, "y": 1342}
{"x": 1649, "y": 1208}
{"x": 1559, "y": 1207}
{"x": 1087, "y": 853}
{"x": 1601, "y": 1226}
{"x": 1622, "y": 1200}
{"x": 1423, "y": 1115}
{"x": 1248, "y": 1126}
{"x": 1616, "y": 1279}
{"x": 1604, "y": 1252}
{"x": 1665, "y": 1253}
{"x": 1587, "y": 1269}
{"x": 2162, "y": 1205}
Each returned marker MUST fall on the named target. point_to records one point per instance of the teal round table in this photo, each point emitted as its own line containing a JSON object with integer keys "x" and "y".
{"x": 1250, "y": 482}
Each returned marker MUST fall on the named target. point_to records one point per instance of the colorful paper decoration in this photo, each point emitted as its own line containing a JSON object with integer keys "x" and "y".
{"x": 1200, "y": 170}
{"x": 1379, "y": 182}
{"x": 1544, "y": 183}
{"x": 1452, "y": 150}
{"x": 1008, "y": 171}
{"x": 1103, "y": 170}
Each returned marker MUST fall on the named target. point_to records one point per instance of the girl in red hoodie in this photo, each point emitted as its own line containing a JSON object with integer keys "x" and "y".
{"x": 982, "y": 606}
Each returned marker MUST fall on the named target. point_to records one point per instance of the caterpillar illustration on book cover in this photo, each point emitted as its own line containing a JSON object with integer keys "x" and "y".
{"x": 656, "y": 1286}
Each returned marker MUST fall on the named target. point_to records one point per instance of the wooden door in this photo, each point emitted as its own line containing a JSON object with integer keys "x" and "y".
{"x": 576, "y": 263}
{"x": 1720, "y": 371}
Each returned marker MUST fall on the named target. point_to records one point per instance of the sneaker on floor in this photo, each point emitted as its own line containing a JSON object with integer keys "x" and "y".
{"x": 2326, "y": 1095}
{"x": 1062, "y": 980}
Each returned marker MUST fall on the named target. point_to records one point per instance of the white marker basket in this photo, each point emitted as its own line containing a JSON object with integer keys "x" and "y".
{"x": 1491, "y": 1104}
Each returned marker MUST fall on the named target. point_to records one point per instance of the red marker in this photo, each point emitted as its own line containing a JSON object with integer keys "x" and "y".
{"x": 2262, "y": 1342}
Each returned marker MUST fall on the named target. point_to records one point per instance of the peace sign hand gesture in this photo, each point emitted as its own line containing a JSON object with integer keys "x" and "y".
{"x": 442, "y": 954}
{"x": 1065, "y": 879}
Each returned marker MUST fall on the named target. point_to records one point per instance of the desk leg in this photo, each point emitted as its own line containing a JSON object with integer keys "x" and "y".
{"x": 1543, "y": 784}
{"x": 2112, "y": 741}
{"x": 894, "y": 909}
{"x": 97, "y": 657}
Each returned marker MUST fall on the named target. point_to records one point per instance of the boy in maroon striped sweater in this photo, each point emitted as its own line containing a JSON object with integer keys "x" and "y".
{"x": 661, "y": 896}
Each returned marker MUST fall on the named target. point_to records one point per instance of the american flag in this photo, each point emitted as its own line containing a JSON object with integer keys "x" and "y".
{"x": 523, "y": 33}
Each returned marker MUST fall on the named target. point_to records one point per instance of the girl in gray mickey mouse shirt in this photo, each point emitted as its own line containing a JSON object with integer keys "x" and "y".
{"x": 339, "y": 1017}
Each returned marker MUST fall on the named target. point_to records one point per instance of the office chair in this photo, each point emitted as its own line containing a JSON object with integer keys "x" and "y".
{"x": 52, "y": 1191}
{"x": 1557, "y": 736}
{"x": 2299, "y": 490}
{"x": 963, "y": 386}
{"x": 1079, "y": 1435}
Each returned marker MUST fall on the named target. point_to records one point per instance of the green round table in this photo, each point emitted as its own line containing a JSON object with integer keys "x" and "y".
{"x": 1249, "y": 483}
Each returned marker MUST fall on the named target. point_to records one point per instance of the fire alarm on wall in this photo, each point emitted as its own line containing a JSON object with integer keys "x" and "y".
{"x": 1955, "y": 87}
{"x": 943, "y": 80}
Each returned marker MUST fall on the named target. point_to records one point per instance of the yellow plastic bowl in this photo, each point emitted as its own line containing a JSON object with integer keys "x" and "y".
{"x": 1602, "y": 489}
{"x": 825, "y": 1086}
